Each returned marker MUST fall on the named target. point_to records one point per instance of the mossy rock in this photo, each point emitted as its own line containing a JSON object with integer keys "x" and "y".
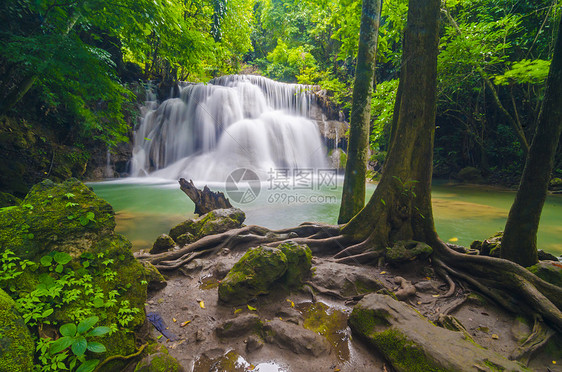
{"x": 162, "y": 244}
{"x": 470, "y": 174}
{"x": 8, "y": 200}
{"x": 70, "y": 219}
{"x": 252, "y": 275}
{"x": 16, "y": 345}
{"x": 299, "y": 262}
{"x": 158, "y": 360}
{"x": 550, "y": 271}
{"x": 185, "y": 239}
{"x": 214, "y": 222}
{"x": 407, "y": 250}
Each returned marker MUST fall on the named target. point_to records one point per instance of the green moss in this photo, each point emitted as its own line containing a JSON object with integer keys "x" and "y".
{"x": 16, "y": 345}
{"x": 330, "y": 323}
{"x": 403, "y": 354}
{"x": 7, "y": 200}
{"x": 214, "y": 222}
{"x": 159, "y": 362}
{"x": 253, "y": 275}
{"x": 299, "y": 262}
{"x": 548, "y": 271}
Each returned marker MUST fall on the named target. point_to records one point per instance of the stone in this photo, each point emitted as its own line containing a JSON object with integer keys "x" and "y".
{"x": 162, "y": 244}
{"x": 407, "y": 340}
{"x": 214, "y": 222}
{"x": 290, "y": 315}
{"x": 8, "y": 200}
{"x": 407, "y": 250}
{"x": 254, "y": 274}
{"x": 185, "y": 239}
{"x": 155, "y": 279}
{"x": 550, "y": 271}
{"x": 253, "y": 343}
{"x": 159, "y": 362}
{"x": 238, "y": 326}
{"x": 471, "y": 175}
{"x": 545, "y": 256}
{"x": 295, "y": 338}
{"x": 16, "y": 344}
{"x": 490, "y": 246}
{"x": 348, "y": 281}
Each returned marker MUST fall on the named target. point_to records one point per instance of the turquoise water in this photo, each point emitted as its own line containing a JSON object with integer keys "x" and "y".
{"x": 147, "y": 208}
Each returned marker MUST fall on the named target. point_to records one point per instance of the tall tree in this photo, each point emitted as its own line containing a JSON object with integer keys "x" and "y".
{"x": 519, "y": 242}
{"x": 353, "y": 197}
{"x": 400, "y": 207}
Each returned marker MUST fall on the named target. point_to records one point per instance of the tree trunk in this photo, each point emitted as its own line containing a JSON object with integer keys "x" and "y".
{"x": 206, "y": 200}
{"x": 400, "y": 207}
{"x": 353, "y": 196}
{"x": 519, "y": 242}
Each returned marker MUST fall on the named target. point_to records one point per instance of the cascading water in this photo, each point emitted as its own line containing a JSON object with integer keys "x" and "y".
{"x": 233, "y": 122}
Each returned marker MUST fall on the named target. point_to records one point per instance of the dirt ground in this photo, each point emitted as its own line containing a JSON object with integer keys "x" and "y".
{"x": 190, "y": 308}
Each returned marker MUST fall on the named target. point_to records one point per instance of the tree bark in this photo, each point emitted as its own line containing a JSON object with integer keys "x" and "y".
{"x": 353, "y": 196}
{"x": 519, "y": 242}
{"x": 400, "y": 208}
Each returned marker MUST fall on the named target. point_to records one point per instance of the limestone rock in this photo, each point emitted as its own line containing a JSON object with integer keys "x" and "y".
{"x": 299, "y": 261}
{"x": 253, "y": 275}
{"x": 346, "y": 280}
{"x": 295, "y": 338}
{"x": 185, "y": 239}
{"x": 238, "y": 326}
{"x": 214, "y": 222}
{"x": 407, "y": 339}
{"x": 155, "y": 279}
{"x": 16, "y": 345}
{"x": 162, "y": 244}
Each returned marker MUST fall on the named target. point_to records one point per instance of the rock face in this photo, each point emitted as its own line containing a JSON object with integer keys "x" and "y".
{"x": 214, "y": 222}
{"x": 68, "y": 220}
{"x": 261, "y": 268}
{"x": 16, "y": 344}
{"x": 412, "y": 343}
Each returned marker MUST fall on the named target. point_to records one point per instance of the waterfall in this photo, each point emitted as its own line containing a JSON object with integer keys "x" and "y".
{"x": 232, "y": 122}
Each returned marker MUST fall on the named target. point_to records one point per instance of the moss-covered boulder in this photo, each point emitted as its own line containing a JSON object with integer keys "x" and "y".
{"x": 158, "y": 360}
{"x": 411, "y": 343}
{"x": 214, "y": 222}
{"x": 16, "y": 344}
{"x": 82, "y": 267}
{"x": 489, "y": 247}
{"x": 7, "y": 200}
{"x": 550, "y": 271}
{"x": 407, "y": 250}
{"x": 299, "y": 262}
{"x": 252, "y": 275}
{"x": 162, "y": 244}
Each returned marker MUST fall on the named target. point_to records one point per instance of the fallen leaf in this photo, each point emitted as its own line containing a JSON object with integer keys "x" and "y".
{"x": 553, "y": 362}
{"x": 383, "y": 272}
{"x": 419, "y": 302}
{"x": 185, "y": 323}
{"x": 251, "y": 367}
{"x": 454, "y": 239}
{"x": 495, "y": 337}
{"x": 159, "y": 337}
{"x": 435, "y": 295}
{"x": 291, "y": 302}
{"x": 202, "y": 304}
{"x": 427, "y": 278}
{"x": 236, "y": 311}
{"x": 337, "y": 370}
{"x": 174, "y": 320}
{"x": 251, "y": 308}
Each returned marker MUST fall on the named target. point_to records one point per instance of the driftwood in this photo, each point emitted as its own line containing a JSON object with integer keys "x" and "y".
{"x": 206, "y": 200}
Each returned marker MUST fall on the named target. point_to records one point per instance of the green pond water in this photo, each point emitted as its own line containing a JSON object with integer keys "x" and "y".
{"x": 147, "y": 208}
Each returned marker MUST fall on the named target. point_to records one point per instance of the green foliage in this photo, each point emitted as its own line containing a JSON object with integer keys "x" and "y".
{"x": 382, "y": 111}
{"x": 525, "y": 72}
{"x": 286, "y": 63}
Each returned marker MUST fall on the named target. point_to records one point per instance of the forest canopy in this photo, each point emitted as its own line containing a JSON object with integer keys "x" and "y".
{"x": 78, "y": 64}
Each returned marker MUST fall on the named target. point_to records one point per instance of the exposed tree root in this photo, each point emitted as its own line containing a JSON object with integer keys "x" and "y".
{"x": 510, "y": 285}
{"x": 540, "y": 335}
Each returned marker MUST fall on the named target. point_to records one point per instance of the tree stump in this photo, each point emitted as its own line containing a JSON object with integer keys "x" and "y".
{"x": 206, "y": 200}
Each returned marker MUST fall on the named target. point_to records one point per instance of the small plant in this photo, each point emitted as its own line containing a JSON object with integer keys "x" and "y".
{"x": 76, "y": 338}
{"x": 87, "y": 218}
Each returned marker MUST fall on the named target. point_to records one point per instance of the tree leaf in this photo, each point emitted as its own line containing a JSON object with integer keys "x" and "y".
{"x": 79, "y": 345}
{"x": 99, "y": 331}
{"x": 46, "y": 260}
{"x": 96, "y": 347}
{"x": 60, "y": 344}
{"x": 62, "y": 258}
{"x": 86, "y": 324}
{"x": 68, "y": 329}
{"x": 88, "y": 366}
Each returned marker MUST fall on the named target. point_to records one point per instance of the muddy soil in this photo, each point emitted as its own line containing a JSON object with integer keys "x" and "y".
{"x": 190, "y": 308}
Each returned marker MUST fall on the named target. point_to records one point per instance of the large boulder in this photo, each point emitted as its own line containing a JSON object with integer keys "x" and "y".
{"x": 299, "y": 262}
{"x": 252, "y": 275}
{"x": 214, "y": 222}
{"x": 410, "y": 342}
{"x": 16, "y": 344}
{"x": 68, "y": 232}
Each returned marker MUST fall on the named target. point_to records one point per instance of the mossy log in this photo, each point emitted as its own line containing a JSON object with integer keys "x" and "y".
{"x": 205, "y": 200}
